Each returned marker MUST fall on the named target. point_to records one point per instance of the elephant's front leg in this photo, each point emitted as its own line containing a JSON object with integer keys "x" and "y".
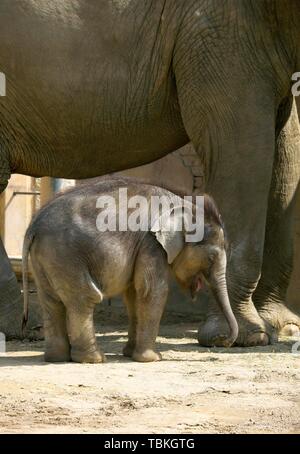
{"x": 151, "y": 291}
{"x": 240, "y": 182}
{"x": 232, "y": 127}
{"x": 270, "y": 295}
{"x": 149, "y": 312}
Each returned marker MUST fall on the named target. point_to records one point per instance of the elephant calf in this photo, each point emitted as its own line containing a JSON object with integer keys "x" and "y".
{"x": 77, "y": 263}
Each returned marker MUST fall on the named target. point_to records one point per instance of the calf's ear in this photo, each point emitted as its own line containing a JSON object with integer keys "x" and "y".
{"x": 169, "y": 233}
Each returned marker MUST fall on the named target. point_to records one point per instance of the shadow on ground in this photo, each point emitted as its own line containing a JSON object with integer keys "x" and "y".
{"x": 175, "y": 339}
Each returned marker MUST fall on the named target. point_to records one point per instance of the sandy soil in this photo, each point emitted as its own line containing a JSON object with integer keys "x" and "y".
{"x": 193, "y": 390}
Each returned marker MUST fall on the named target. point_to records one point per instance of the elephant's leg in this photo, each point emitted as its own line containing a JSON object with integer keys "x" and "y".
{"x": 232, "y": 129}
{"x": 79, "y": 297}
{"x": 81, "y": 331}
{"x": 270, "y": 295}
{"x": 240, "y": 183}
{"x": 11, "y": 307}
{"x": 11, "y": 304}
{"x": 297, "y": 100}
{"x": 57, "y": 346}
{"x": 241, "y": 193}
{"x": 130, "y": 301}
{"x": 11, "y": 301}
{"x": 293, "y": 293}
{"x": 149, "y": 310}
{"x": 10, "y": 294}
{"x": 151, "y": 287}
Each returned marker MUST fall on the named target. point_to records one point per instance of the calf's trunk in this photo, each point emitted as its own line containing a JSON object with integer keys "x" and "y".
{"x": 220, "y": 292}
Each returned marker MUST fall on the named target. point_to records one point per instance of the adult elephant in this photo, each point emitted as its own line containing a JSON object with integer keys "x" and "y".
{"x": 96, "y": 86}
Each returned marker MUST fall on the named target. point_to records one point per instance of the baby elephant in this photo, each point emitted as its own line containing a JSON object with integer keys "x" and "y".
{"x": 81, "y": 254}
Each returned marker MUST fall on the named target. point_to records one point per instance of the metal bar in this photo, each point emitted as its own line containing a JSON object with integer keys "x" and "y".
{"x": 26, "y": 193}
{"x": 20, "y": 193}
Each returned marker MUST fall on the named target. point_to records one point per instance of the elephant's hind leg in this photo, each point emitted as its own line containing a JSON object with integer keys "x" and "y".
{"x": 57, "y": 348}
{"x": 80, "y": 324}
{"x": 80, "y": 300}
{"x": 10, "y": 292}
{"x": 270, "y": 295}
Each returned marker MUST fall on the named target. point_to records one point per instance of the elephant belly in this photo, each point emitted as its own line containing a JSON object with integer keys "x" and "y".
{"x": 86, "y": 98}
{"x": 86, "y": 141}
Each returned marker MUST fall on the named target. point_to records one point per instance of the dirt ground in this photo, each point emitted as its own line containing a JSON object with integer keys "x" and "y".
{"x": 193, "y": 390}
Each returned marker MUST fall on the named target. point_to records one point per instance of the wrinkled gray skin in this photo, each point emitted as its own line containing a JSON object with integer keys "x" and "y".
{"x": 99, "y": 86}
{"x": 76, "y": 266}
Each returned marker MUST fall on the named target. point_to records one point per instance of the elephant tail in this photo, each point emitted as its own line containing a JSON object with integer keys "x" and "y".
{"x": 28, "y": 240}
